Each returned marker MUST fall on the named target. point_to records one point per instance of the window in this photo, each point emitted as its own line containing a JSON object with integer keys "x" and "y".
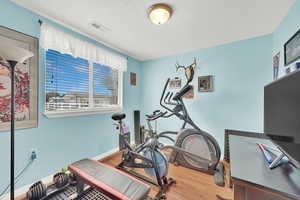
{"x": 81, "y": 77}
{"x": 76, "y": 86}
{"x": 105, "y": 86}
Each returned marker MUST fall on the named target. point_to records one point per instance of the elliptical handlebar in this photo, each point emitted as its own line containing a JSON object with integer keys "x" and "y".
{"x": 169, "y": 102}
{"x": 170, "y": 97}
{"x": 164, "y": 90}
{"x": 167, "y": 95}
{"x": 163, "y": 95}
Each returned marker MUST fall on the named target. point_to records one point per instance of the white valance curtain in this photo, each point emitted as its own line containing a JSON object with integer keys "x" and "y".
{"x": 52, "y": 38}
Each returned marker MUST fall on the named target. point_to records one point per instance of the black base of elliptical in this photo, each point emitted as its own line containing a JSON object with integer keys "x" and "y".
{"x": 219, "y": 175}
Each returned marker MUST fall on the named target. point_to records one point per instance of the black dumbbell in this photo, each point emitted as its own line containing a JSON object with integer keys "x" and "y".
{"x": 37, "y": 191}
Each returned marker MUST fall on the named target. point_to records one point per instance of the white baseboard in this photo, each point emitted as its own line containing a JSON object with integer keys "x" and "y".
{"x": 22, "y": 190}
{"x": 103, "y": 155}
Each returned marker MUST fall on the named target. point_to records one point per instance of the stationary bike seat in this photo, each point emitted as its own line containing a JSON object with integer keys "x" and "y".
{"x": 118, "y": 116}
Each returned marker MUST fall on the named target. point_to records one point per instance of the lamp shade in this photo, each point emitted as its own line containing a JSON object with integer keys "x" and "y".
{"x": 14, "y": 53}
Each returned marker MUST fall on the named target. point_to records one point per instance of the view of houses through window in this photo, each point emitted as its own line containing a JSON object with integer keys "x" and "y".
{"x": 75, "y": 83}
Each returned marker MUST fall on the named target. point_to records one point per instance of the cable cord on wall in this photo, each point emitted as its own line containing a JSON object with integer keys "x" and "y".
{"x": 17, "y": 178}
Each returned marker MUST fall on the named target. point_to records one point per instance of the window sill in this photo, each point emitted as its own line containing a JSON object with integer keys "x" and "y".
{"x": 74, "y": 113}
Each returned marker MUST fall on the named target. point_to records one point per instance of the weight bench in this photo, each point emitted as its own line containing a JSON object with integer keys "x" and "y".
{"x": 108, "y": 179}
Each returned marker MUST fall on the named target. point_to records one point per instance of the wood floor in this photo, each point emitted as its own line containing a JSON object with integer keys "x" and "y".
{"x": 191, "y": 184}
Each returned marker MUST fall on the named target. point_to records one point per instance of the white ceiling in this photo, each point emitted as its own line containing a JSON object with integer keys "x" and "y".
{"x": 195, "y": 24}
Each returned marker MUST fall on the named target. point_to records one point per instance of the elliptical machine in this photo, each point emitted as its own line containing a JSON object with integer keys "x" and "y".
{"x": 193, "y": 147}
{"x": 147, "y": 156}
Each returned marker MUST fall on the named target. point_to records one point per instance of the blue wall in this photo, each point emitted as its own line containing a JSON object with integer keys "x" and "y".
{"x": 240, "y": 71}
{"x": 288, "y": 27}
{"x": 63, "y": 140}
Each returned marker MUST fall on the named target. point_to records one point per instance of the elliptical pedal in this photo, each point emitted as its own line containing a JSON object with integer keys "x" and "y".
{"x": 219, "y": 175}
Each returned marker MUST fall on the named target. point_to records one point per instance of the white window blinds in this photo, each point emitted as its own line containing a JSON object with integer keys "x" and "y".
{"x": 52, "y": 38}
{"x": 75, "y": 84}
{"x": 67, "y": 82}
{"x": 81, "y": 78}
{"x": 105, "y": 85}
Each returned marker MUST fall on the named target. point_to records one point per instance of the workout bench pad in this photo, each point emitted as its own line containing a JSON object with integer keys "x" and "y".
{"x": 109, "y": 179}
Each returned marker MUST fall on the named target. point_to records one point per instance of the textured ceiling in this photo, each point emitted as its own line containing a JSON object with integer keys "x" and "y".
{"x": 195, "y": 24}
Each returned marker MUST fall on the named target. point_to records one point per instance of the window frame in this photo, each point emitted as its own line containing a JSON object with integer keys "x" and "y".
{"x": 91, "y": 110}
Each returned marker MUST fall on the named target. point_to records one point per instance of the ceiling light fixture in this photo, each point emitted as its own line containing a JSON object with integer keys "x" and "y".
{"x": 160, "y": 13}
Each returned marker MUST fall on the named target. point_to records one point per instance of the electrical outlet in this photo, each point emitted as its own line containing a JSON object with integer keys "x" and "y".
{"x": 33, "y": 154}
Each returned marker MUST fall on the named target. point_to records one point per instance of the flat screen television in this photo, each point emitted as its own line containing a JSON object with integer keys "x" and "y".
{"x": 282, "y": 115}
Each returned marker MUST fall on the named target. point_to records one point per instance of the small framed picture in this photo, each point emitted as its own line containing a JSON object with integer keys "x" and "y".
{"x": 175, "y": 83}
{"x": 292, "y": 49}
{"x": 132, "y": 78}
{"x": 205, "y": 83}
{"x": 276, "y": 61}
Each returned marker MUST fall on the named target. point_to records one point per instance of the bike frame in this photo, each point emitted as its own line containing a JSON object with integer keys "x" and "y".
{"x": 151, "y": 144}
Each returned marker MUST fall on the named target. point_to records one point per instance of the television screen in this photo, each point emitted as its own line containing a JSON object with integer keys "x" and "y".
{"x": 282, "y": 115}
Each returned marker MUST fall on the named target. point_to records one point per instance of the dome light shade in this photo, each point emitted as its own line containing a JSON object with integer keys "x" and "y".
{"x": 14, "y": 53}
{"x": 160, "y": 13}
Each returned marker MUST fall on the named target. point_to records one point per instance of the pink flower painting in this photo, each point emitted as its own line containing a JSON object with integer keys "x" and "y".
{"x": 22, "y": 92}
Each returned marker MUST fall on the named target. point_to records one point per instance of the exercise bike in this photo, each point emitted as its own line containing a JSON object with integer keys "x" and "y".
{"x": 146, "y": 156}
{"x": 193, "y": 147}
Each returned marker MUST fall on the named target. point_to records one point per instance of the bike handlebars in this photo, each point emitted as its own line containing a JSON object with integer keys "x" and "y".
{"x": 156, "y": 115}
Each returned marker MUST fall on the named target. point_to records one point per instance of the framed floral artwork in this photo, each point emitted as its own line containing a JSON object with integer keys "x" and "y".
{"x": 26, "y": 83}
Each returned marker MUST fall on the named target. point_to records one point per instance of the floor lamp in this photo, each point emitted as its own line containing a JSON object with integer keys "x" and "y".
{"x": 13, "y": 55}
